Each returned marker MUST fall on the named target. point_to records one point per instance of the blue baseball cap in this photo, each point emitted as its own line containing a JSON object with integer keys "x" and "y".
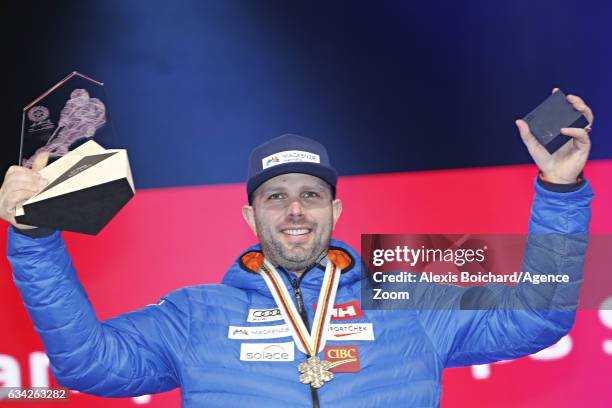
{"x": 289, "y": 153}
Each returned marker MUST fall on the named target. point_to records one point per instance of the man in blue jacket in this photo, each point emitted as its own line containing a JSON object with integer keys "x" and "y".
{"x": 264, "y": 336}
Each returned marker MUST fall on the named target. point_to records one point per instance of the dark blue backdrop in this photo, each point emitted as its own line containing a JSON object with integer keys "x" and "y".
{"x": 387, "y": 86}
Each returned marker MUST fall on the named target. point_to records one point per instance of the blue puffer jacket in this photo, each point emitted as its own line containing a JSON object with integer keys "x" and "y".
{"x": 183, "y": 340}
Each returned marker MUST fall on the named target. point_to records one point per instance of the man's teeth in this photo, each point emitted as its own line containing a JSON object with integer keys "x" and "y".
{"x": 296, "y": 231}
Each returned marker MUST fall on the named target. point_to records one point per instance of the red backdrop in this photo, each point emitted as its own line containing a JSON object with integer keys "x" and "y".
{"x": 168, "y": 238}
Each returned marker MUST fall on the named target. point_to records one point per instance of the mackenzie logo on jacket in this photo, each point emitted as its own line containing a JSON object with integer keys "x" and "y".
{"x": 258, "y": 332}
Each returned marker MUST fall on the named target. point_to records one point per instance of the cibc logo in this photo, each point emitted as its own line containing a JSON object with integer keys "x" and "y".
{"x": 343, "y": 359}
{"x": 269, "y": 352}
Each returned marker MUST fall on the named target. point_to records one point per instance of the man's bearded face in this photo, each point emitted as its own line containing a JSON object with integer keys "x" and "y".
{"x": 293, "y": 216}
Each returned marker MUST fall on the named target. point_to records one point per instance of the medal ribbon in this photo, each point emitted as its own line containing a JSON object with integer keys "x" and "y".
{"x": 313, "y": 342}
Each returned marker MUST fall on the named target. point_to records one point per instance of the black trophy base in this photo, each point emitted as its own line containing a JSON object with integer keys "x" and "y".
{"x": 86, "y": 211}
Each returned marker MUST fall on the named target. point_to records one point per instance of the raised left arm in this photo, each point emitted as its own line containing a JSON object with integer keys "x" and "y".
{"x": 507, "y": 322}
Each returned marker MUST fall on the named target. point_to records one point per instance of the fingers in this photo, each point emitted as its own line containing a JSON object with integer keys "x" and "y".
{"x": 27, "y": 185}
{"x": 15, "y": 192}
{"x": 16, "y": 171}
{"x": 581, "y": 107}
{"x": 15, "y": 198}
{"x": 580, "y": 136}
{"x": 23, "y": 174}
{"x": 13, "y": 169}
{"x": 20, "y": 184}
{"x": 526, "y": 135}
{"x": 25, "y": 177}
{"x": 40, "y": 161}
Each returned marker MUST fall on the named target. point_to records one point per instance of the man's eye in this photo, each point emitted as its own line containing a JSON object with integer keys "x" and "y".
{"x": 310, "y": 194}
{"x": 276, "y": 196}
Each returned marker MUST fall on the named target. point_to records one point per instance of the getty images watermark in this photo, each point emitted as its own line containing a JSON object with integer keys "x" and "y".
{"x": 481, "y": 271}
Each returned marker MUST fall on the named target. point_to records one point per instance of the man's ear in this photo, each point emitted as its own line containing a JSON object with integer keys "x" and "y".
{"x": 336, "y": 211}
{"x": 248, "y": 212}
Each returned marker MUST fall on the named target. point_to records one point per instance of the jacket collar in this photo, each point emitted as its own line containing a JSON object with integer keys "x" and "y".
{"x": 243, "y": 272}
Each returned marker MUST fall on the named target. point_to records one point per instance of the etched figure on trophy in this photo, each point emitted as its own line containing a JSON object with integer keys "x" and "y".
{"x": 80, "y": 118}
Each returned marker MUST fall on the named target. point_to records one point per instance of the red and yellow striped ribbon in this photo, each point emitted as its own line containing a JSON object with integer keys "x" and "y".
{"x": 309, "y": 343}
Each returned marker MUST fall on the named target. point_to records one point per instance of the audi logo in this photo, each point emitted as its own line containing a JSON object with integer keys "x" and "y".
{"x": 266, "y": 313}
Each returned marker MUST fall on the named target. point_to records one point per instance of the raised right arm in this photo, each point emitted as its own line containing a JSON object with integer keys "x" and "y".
{"x": 133, "y": 354}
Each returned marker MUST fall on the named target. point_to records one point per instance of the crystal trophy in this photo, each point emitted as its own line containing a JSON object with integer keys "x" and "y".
{"x": 89, "y": 180}
{"x": 70, "y": 113}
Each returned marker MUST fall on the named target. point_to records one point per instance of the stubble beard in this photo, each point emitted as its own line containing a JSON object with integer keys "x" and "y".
{"x": 278, "y": 254}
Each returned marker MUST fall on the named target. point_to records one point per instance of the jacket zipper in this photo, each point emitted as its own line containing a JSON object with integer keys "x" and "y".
{"x": 295, "y": 284}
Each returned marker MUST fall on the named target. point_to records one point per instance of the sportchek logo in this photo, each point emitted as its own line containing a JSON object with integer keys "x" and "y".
{"x": 346, "y": 311}
{"x": 264, "y": 315}
{"x": 271, "y": 352}
{"x": 258, "y": 332}
{"x": 343, "y": 359}
{"x": 350, "y": 331}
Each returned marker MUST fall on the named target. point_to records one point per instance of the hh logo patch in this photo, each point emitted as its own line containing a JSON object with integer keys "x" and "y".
{"x": 350, "y": 332}
{"x": 269, "y": 352}
{"x": 258, "y": 332}
{"x": 346, "y": 311}
{"x": 344, "y": 359}
{"x": 264, "y": 315}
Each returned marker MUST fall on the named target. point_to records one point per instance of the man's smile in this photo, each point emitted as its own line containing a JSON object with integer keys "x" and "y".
{"x": 296, "y": 231}
{"x": 296, "y": 235}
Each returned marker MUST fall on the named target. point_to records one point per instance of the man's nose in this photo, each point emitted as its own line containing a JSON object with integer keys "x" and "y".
{"x": 295, "y": 208}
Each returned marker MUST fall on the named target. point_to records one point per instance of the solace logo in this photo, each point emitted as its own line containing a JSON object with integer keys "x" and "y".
{"x": 343, "y": 359}
{"x": 346, "y": 311}
{"x": 270, "y": 352}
